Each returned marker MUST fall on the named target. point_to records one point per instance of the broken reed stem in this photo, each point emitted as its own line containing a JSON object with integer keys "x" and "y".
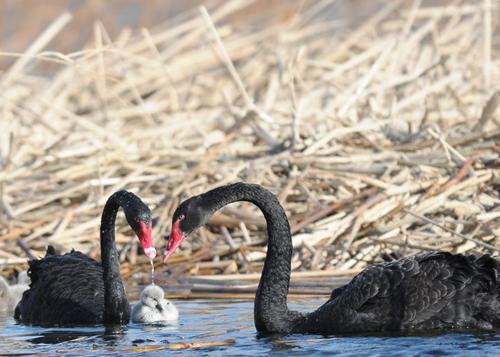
{"x": 476, "y": 241}
{"x": 457, "y": 178}
{"x": 348, "y": 139}
{"x": 335, "y": 206}
{"x": 45, "y": 37}
{"x": 226, "y": 58}
{"x": 488, "y": 112}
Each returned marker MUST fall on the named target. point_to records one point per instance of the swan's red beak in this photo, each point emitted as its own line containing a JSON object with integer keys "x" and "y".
{"x": 146, "y": 238}
{"x": 175, "y": 240}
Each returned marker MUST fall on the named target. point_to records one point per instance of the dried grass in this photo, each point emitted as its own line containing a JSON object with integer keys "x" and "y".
{"x": 381, "y": 139}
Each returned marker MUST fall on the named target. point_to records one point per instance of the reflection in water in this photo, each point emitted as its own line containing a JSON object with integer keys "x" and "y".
{"x": 114, "y": 334}
{"x": 54, "y": 337}
{"x": 114, "y": 330}
{"x": 206, "y": 322}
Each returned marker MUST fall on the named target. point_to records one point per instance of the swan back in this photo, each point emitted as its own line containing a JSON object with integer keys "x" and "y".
{"x": 153, "y": 307}
{"x": 432, "y": 290}
{"x": 65, "y": 289}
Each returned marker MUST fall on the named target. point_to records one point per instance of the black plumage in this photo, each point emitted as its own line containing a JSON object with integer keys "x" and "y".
{"x": 75, "y": 289}
{"x": 434, "y": 290}
{"x": 65, "y": 289}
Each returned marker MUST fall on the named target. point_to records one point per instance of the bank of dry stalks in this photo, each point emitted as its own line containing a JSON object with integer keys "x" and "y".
{"x": 382, "y": 138}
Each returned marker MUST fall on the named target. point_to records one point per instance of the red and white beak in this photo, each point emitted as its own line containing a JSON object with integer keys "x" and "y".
{"x": 146, "y": 238}
{"x": 175, "y": 240}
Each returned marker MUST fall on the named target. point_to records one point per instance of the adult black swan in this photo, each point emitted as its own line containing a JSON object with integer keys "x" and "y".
{"x": 425, "y": 291}
{"x": 75, "y": 289}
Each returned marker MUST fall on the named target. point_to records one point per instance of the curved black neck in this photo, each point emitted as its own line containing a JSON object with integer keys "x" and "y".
{"x": 271, "y": 312}
{"x": 116, "y": 307}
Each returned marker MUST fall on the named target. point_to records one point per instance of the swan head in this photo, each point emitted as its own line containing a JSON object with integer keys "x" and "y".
{"x": 190, "y": 215}
{"x": 152, "y": 296}
{"x": 139, "y": 218}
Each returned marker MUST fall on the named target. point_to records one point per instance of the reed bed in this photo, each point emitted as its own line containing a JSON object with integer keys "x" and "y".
{"x": 379, "y": 140}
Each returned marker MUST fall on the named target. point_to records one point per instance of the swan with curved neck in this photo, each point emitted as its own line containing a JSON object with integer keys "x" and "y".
{"x": 75, "y": 289}
{"x": 425, "y": 291}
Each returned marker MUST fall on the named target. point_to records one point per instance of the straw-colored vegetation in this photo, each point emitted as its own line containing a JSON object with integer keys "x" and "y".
{"x": 379, "y": 138}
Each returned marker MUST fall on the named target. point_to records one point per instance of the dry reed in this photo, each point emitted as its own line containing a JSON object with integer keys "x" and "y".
{"x": 383, "y": 138}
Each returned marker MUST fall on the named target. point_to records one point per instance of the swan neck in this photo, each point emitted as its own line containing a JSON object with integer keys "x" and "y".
{"x": 271, "y": 313}
{"x": 116, "y": 308}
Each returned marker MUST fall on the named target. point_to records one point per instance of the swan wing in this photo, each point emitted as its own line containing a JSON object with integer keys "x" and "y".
{"x": 429, "y": 290}
{"x": 65, "y": 289}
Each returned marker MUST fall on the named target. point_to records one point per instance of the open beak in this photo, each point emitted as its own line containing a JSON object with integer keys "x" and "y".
{"x": 175, "y": 240}
{"x": 146, "y": 238}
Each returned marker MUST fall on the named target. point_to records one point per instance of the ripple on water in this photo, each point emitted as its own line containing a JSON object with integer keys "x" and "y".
{"x": 209, "y": 320}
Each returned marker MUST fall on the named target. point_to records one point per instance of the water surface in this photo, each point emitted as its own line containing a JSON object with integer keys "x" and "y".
{"x": 220, "y": 320}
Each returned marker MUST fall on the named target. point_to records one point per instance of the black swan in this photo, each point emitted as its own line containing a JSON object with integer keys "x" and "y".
{"x": 426, "y": 291}
{"x": 75, "y": 289}
{"x": 153, "y": 307}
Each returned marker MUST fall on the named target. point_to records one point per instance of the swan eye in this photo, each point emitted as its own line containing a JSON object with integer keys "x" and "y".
{"x": 181, "y": 217}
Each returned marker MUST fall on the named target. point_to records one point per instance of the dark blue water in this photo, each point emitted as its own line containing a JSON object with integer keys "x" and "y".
{"x": 220, "y": 320}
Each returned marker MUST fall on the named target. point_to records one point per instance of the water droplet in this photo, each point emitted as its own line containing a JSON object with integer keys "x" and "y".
{"x": 152, "y": 271}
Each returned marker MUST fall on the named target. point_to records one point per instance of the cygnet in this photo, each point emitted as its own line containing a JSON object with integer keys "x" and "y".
{"x": 153, "y": 307}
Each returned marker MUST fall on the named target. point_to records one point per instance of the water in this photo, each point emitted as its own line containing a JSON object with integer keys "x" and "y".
{"x": 152, "y": 271}
{"x": 219, "y": 320}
